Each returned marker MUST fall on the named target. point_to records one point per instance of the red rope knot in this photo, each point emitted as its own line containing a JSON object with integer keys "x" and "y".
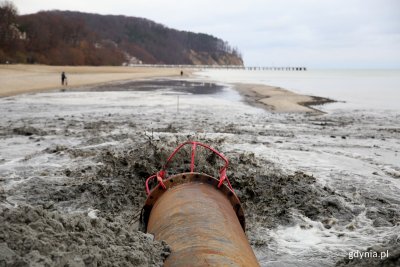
{"x": 160, "y": 177}
{"x": 222, "y": 177}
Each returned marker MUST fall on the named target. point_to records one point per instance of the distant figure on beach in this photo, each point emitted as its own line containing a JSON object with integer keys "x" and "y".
{"x": 64, "y": 79}
{"x": 181, "y": 72}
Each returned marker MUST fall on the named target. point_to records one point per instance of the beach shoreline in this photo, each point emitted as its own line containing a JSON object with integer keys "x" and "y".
{"x": 20, "y": 79}
{"x": 277, "y": 99}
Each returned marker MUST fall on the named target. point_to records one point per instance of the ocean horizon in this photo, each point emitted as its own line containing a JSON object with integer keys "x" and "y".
{"x": 350, "y": 88}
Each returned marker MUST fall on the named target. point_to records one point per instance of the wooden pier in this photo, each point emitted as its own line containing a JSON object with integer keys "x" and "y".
{"x": 221, "y": 67}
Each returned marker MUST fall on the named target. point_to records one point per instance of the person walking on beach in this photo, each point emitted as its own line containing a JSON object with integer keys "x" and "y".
{"x": 63, "y": 79}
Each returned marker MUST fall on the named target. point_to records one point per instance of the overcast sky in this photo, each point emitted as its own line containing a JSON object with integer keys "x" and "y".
{"x": 312, "y": 33}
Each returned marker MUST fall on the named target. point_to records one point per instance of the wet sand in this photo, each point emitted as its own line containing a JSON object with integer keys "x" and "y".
{"x": 280, "y": 100}
{"x": 73, "y": 163}
{"x": 19, "y": 79}
{"x": 73, "y": 166}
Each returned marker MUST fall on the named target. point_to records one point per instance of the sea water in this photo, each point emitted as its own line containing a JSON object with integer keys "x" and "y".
{"x": 353, "y": 89}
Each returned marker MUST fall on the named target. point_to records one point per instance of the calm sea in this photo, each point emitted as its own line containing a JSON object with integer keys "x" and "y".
{"x": 354, "y": 89}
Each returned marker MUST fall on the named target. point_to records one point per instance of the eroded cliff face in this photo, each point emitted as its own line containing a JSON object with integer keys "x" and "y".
{"x": 218, "y": 58}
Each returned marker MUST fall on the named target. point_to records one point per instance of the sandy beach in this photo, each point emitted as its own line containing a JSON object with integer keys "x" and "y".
{"x": 19, "y": 79}
{"x": 280, "y": 100}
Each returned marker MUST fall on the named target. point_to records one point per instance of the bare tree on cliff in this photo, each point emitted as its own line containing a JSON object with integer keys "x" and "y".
{"x": 8, "y": 18}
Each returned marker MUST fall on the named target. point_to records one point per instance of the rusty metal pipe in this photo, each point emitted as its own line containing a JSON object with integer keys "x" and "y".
{"x": 203, "y": 224}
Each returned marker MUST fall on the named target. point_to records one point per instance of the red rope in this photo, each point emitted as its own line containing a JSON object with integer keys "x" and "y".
{"x": 193, "y": 154}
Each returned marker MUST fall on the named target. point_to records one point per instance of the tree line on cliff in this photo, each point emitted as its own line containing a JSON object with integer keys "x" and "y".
{"x": 75, "y": 38}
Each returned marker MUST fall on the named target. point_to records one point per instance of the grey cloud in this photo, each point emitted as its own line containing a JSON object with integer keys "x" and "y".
{"x": 318, "y": 33}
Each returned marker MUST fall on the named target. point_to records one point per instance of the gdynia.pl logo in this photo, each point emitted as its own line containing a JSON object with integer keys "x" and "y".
{"x": 368, "y": 254}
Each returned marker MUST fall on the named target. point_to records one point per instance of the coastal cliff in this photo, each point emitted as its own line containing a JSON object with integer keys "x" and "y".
{"x": 216, "y": 58}
{"x": 75, "y": 38}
